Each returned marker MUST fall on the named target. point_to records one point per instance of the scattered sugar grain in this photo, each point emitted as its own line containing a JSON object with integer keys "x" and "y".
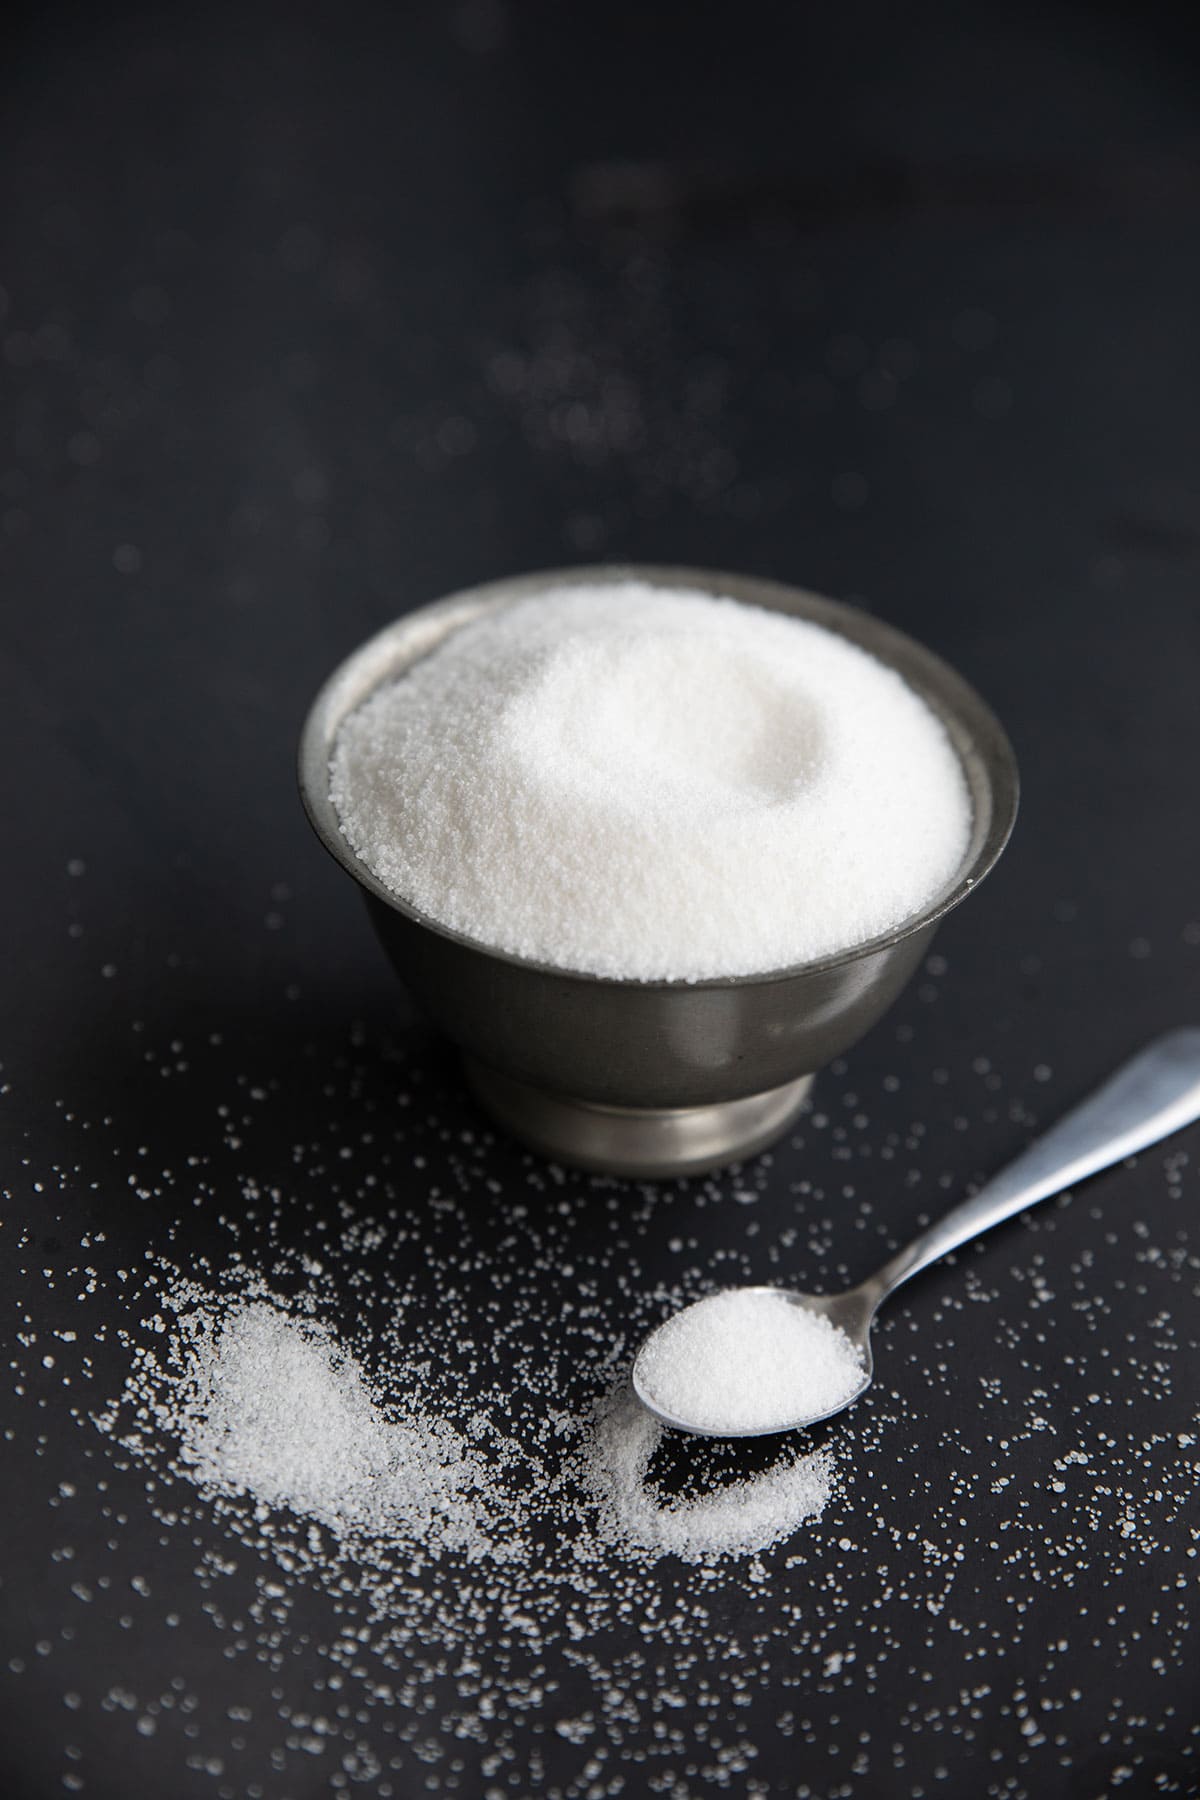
{"x": 653, "y": 783}
{"x": 922, "y": 1565}
{"x": 748, "y": 1360}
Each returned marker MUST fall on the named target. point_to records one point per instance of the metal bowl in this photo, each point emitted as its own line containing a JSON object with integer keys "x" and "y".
{"x": 653, "y": 1078}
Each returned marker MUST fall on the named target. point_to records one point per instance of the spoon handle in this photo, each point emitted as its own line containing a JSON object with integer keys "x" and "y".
{"x": 1154, "y": 1094}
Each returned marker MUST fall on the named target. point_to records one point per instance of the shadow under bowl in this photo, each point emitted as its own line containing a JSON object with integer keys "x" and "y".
{"x": 653, "y": 1078}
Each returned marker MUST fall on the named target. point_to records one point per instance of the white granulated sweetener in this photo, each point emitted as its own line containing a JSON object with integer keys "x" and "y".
{"x": 552, "y": 1570}
{"x": 270, "y": 1405}
{"x": 649, "y": 783}
{"x": 748, "y": 1360}
{"x": 739, "y": 1520}
{"x": 263, "y": 1403}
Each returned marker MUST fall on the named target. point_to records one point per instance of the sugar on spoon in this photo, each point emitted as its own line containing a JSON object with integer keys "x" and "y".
{"x": 750, "y": 1364}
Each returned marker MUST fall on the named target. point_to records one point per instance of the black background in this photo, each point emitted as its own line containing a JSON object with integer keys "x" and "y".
{"x": 311, "y": 316}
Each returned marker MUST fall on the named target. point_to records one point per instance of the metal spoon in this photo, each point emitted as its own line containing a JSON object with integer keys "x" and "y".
{"x": 1156, "y": 1093}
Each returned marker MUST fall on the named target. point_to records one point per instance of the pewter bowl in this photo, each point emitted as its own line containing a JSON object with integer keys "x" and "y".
{"x": 653, "y": 1078}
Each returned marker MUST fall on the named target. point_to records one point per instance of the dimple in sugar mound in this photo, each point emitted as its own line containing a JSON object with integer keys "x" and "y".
{"x": 654, "y": 784}
{"x": 748, "y": 1360}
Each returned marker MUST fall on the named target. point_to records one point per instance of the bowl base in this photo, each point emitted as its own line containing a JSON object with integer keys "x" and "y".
{"x": 652, "y": 1143}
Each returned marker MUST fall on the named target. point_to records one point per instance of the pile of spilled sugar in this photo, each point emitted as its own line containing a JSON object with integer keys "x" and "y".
{"x": 739, "y": 1520}
{"x": 267, "y": 1404}
{"x": 261, "y": 1402}
{"x": 748, "y": 1360}
{"x": 651, "y": 783}
{"x": 976, "y": 1493}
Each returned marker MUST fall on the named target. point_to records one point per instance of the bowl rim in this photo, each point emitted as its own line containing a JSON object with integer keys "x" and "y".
{"x": 985, "y": 751}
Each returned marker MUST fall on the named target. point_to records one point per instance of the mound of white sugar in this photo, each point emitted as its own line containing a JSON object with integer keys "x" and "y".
{"x": 748, "y": 1360}
{"x": 641, "y": 782}
{"x": 739, "y": 1520}
{"x": 269, "y": 1405}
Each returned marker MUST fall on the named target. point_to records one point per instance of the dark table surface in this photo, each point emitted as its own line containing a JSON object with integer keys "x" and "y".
{"x": 311, "y": 316}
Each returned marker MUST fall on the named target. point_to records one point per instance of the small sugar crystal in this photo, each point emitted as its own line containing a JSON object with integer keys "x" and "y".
{"x": 651, "y": 783}
{"x": 748, "y": 1360}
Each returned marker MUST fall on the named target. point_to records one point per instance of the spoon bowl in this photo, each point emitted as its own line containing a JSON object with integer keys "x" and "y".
{"x": 851, "y": 1312}
{"x": 1155, "y": 1094}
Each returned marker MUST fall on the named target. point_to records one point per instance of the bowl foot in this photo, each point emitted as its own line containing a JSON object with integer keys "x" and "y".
{"x": 653, "y": 1143}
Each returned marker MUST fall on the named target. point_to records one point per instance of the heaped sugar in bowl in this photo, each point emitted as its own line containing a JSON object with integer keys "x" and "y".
{"x": 620, "y": 794}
